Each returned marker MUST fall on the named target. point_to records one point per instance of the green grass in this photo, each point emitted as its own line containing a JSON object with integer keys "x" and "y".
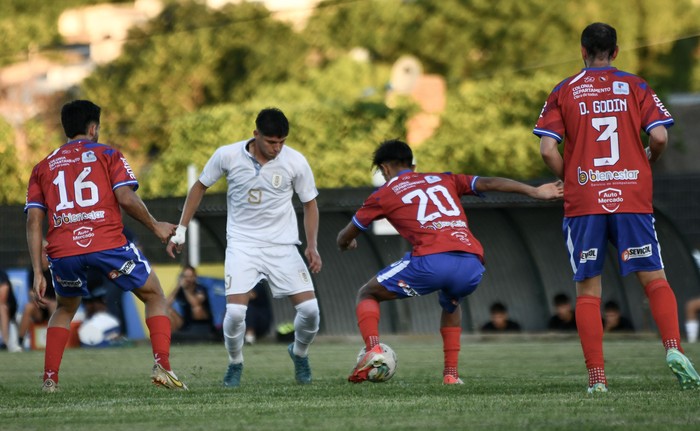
{"x": 511, "y": 384}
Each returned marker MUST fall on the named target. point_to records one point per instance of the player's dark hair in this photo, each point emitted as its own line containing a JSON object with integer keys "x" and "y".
{"x": 272, "y": 122}
{"x": 393, "y": 150}
{"x": 77, "y": 115}
{"x": 599, "y": 39}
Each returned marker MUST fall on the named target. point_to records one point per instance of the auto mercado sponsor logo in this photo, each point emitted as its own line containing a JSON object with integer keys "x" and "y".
{"x": 83, "y": 236}
{"x": 610, "y": 199}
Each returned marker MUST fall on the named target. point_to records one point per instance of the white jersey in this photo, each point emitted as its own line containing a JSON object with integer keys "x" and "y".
{"x": 259, "y": 197}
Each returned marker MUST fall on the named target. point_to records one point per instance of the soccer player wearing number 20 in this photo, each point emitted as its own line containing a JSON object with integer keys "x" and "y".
{"x": 81, "y": 188}
{"x": 598, "y": 114}
{"x": 425, "y": 209}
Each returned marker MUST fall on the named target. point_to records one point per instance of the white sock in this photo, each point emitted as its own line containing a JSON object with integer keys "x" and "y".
{"x": 306, "y": 324}
{"x": 234, "y": 330}
{"x": 691, "y": 329}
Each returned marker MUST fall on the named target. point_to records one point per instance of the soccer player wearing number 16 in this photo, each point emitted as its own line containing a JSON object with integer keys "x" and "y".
{"x": 608, "y": 191}
{"x": 425, "y": 209}
{"x": 80, "y": 187}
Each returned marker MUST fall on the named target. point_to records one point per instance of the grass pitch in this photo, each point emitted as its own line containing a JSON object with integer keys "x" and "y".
{"x": 511, "y": 384}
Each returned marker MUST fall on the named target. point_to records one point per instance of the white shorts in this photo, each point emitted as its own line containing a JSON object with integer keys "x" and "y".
{"x": 281, "y": 265}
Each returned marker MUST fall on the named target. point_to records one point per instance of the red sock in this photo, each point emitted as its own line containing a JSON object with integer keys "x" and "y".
{"x": 159, "y": 327}
{"x": 590, "y": 330}
{"x": 367, "y": 312}
{"x": 664, "y": 309}
{"x": 451, "y": 346}
{"x": 56, "y": 340}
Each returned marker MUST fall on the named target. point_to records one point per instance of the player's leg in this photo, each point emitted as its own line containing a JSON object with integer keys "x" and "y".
{"x": 306, "y": 324}
{"x": 57, "y": 335}
{"x": 461, "y": 274}
{"x": 586, "y": 239}
{"x": 451, "y": 332}
{"x": 234, "y": 328}
{"x": 367, "y": 310}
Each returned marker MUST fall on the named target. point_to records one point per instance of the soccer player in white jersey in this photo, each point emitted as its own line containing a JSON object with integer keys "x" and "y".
{"x": 262, "y": 235}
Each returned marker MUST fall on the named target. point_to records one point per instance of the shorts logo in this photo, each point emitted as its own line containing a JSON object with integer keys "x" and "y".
{"x": 637, "y": 252}
{"x": 304, "y": 276}
{"x": 408, "y": 290}
{"x": 586, "y": 255}
{"x": 125, "y": 269}
{"x": 610, "y": 199}
{"x": 276, "y": 180}
{"x": 83, "y": 236}
{"x": 69, "y": 283}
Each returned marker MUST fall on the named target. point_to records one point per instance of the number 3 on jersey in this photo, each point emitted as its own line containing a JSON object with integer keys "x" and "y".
{"x": 609, "y": 133}
{"x": 85, "y": 192}
{"x": 433, "y": 195}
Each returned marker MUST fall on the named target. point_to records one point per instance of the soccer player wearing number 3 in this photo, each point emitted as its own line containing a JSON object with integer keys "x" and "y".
{"x": 262, "y": 234}
{"x": 598, "y": 113}
{"x": 81, "y": 188}
{"x": 425, "y": 209}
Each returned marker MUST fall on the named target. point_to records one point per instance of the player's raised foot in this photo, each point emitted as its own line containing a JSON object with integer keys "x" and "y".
{"x": 302, "y": 370}
{"x": 373, "y": 358}
{"x": 452, "y": 380}
{"x": 232, "y": 378}
{"x": 598, "y": 388}
{"x": 49, "y": 386}
{"x": 683, "y": 369}
{"x": 167, "y": 379}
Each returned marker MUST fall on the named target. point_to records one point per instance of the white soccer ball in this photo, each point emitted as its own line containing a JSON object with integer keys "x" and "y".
{"x": 383, "y": 364}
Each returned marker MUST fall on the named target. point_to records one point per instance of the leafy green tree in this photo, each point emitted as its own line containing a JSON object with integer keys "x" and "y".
{"x": 12, "y": 190}
{"x": 188, "y": 58}
{"x": 487, "y": 129}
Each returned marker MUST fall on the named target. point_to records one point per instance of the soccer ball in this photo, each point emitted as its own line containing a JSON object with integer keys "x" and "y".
{"x": 384, "y": 364}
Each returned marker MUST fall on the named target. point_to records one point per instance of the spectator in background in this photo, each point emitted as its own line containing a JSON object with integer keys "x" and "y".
{"x": 188, "y": 307}
{"x": 100, "y": 328}
{"x": 258, "y": 319}
{"x": 692, "y": 308}
{"x": 499, "y": 321}
{"x": 33, "y": 313}
{"x": 614, "y": 321}
{"x": 564, "y": 318}
{"x": 8, "y": 309}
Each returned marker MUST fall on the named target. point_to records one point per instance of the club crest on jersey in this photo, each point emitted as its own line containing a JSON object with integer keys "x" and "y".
{"x": 83, "y": 236}
{"x": 89, "y": 157}
{"x": 620, "y": 87}
{"x": 610, "y": 199}
{"x": 430, "y": 179}
{"x": 276, "y": 180}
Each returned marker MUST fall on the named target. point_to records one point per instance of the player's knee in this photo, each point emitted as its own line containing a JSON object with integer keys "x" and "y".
{"x": 236, "y": 313}
{"x": 309, "y": 314}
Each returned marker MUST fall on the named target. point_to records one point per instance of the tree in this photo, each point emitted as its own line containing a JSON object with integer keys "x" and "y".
{"x": 188, "y": 58}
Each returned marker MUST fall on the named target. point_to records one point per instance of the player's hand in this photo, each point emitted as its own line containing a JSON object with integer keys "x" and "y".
{"x": 550, "y": 191}
{"x": 164, "y": 230}
{"x": 176, "y": 241}
{"x": 314, "y": 260}
{"x": 39, "y": 290}
{"x": 352, "y": 245}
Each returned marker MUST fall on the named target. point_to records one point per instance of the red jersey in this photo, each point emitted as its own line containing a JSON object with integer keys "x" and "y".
{"x": 426, "y": 210}
{"x": 599, "y": 113}
{"x": 74, "y": 185}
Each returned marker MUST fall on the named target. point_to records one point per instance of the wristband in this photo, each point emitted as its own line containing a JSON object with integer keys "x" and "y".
{"x": 179, "y": 237}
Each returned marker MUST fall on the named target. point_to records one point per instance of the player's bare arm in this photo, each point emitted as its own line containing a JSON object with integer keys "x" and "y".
{"x": 134, "y": 206}
{"x": 347, "y": 237}
{"x": 192, "y": 201}
{"x": 658, "y": 138}
{"x": 549, "y": 149}
{"x": 547, "y": 191}
{"x": 311, "y": 219}
{"x": 35, "y": 218}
